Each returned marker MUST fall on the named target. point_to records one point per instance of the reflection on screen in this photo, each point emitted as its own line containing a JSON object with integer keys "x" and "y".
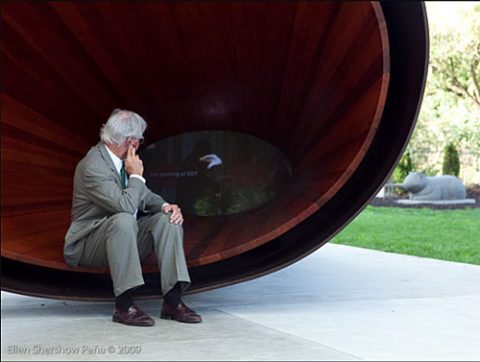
{"x": 211, "y": 173}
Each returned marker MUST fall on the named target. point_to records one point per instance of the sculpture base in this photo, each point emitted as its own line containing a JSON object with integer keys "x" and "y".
{"x": 437, "y": 202}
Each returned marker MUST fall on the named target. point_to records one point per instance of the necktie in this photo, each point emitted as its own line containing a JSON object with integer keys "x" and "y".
{"x": 123, "y": 177}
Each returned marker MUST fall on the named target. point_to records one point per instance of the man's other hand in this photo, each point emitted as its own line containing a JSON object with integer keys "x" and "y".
{"x": 176, "y": 217}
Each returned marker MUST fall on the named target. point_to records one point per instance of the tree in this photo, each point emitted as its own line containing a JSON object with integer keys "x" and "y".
{"x": 450, "y": 110}
{"x": 451, "y": 162}
{"x": 404, "y": 166}
{"x": 456, "y": 61}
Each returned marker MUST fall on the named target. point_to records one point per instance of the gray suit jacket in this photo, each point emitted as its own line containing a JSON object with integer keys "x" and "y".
{"x": 98, "y": 194}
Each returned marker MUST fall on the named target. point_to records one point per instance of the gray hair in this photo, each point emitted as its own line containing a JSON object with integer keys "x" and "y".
{"x": 122, "y": 124}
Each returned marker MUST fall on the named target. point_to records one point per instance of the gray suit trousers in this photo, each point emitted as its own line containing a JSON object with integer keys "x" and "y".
{"x": 121, "y": 242}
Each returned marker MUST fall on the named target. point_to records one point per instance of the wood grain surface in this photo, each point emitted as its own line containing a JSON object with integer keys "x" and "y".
{"x": 310, "y": 78}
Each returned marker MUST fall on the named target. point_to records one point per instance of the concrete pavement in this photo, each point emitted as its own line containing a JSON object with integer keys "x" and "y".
{"x": 339, "y": 303}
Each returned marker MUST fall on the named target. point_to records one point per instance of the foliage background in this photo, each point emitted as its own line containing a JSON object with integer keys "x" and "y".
{"x": 450, "y": 111}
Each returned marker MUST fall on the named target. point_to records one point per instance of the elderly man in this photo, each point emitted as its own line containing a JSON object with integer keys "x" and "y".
{"x": 109, "y": 192}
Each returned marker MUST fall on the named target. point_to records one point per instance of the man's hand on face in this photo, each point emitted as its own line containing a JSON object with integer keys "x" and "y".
{"x": 176, "y": 217}
{"x": 133, "y": 163}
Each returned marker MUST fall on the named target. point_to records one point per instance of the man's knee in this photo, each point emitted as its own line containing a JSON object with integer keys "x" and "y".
{"x": 123, "y": 222}
{"x": 161, "y": 217}
{"x": 161, "y": 221}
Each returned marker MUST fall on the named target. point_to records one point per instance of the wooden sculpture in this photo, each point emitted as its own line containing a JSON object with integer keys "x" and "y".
{"x": 335, "y": 86}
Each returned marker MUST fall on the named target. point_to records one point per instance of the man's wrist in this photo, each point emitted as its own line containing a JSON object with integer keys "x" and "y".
{"x": 141, "y": 178}
{"x": 164, "y": 204}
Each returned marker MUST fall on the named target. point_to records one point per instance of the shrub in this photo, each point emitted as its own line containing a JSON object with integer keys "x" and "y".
{"x": 404, "y": 166}
{"x": 430, "y": 171}
{"x": 451, "y": 161}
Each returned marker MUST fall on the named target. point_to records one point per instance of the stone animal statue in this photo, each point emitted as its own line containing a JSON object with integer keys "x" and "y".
{"x": 421, "y": 187}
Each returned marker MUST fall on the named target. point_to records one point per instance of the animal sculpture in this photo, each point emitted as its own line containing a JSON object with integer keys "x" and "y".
{"x": 422, "y": 187}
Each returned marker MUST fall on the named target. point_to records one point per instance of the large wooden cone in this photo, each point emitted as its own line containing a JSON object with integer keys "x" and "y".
{"x": 334, "y": 86}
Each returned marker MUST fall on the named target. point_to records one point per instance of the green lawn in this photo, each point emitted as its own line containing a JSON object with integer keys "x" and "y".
{"x": 441, "y": 234}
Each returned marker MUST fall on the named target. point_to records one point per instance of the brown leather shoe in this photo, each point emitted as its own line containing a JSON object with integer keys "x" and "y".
{"x": 180, "y": 313}
{"x": 134, "y": 316}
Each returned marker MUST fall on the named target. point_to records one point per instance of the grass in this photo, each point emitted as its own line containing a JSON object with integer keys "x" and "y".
{"x": 440, "y": 234}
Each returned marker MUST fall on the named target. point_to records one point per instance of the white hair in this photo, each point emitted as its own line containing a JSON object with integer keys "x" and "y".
{"x": 122, "y": 124}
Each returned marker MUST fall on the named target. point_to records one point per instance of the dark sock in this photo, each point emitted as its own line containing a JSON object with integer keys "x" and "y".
{"x": 173, "y": 296}
{"x": 124, "y": 300}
